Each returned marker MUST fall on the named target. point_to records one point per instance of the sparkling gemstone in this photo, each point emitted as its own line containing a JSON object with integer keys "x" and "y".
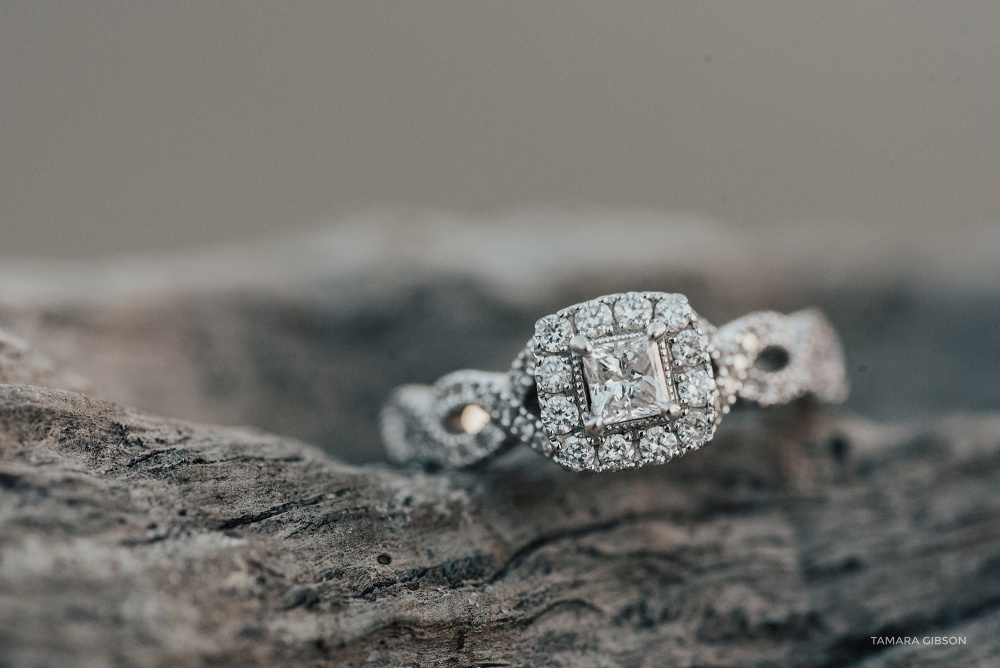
{"x": 553, "y": 374}
{"x": 688, "y": 348}
{"x": 594, "y": 319}
{"x": 576, "y": 454}
{"x": 560, "y": 414}
{"x": 658, "y": 445}
{"x": 521, "y": 426}
{"x": 626, "y": 379}
{"x": 674, "y": 313}
{"x": 696, "y": 388}
{"x": 552, "y": 333}
{"x": 728, "y": 385}
{"x": 618, "y": 452}
{"x": 738, "y": 362}
{"x": 693, "y": 429}
{"x": 633, "y": 311}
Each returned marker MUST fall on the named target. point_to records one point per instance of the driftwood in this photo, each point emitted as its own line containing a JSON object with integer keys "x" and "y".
{"x": 793, "y": 539}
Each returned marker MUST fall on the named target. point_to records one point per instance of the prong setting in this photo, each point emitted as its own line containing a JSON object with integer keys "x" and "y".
{"x": 629, "y": 355}
{"x": 671, "y": 409}
{"x": 656, "y": 330}
{"x": 580, "y": 345}
{"x": 594, "y": 426}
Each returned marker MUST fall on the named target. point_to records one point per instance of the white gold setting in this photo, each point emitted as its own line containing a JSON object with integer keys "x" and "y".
{"x": 622, "y": 381}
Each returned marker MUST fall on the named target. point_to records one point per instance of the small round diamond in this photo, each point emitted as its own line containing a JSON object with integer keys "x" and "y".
{"x": 688, "y": 348}
{"x": 658, "y": 445}
{"x": 693, "y": 429}
{"x": 552, "y": 333}
{"x": 559, "y": 414}
{"x": 576, "y": 454}
{"x": 594, "y": 319}
{"x": 696, "y": 388}
{"x": 673, "y": 313}
{"x": 633, "y": 311}
{"x": 618, "y": 452}
{"x": 737, "y": 361}
{"x": 728, "y": 387}
{"x": 553, "y": 374}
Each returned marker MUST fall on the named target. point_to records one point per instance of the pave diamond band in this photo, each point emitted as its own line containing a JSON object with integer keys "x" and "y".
{"x": 617, "y": 382}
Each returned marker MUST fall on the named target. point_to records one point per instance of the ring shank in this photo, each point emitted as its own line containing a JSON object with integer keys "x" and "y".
{"x": 415, "y": 420}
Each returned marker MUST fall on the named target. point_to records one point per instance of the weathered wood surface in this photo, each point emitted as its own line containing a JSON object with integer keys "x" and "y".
{"x": 131, "y": 539}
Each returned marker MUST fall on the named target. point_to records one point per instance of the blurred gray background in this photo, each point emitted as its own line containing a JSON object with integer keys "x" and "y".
{"x": 140, "y": 127}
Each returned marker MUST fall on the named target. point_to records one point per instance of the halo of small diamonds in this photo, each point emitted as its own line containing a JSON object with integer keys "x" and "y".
{"x": 626, "y": 386}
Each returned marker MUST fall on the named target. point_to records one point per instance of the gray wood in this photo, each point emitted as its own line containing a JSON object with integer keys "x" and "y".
{"x": 132, "y": 539}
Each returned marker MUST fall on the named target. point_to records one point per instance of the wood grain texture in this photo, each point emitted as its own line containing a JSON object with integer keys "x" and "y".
{"x": 132, "y": 539}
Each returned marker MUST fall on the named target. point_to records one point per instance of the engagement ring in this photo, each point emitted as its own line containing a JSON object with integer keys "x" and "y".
{"x": 617, "y": 382}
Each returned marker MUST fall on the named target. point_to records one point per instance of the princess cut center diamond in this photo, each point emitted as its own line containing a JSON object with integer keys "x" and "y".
{"x": 625, "y": 379}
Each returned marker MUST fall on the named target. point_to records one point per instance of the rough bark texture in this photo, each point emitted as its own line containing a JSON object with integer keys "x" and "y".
{"x": 131, "y": 539}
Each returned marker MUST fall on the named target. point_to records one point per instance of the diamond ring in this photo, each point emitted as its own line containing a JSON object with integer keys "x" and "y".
{"x": 618, "y": 382}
